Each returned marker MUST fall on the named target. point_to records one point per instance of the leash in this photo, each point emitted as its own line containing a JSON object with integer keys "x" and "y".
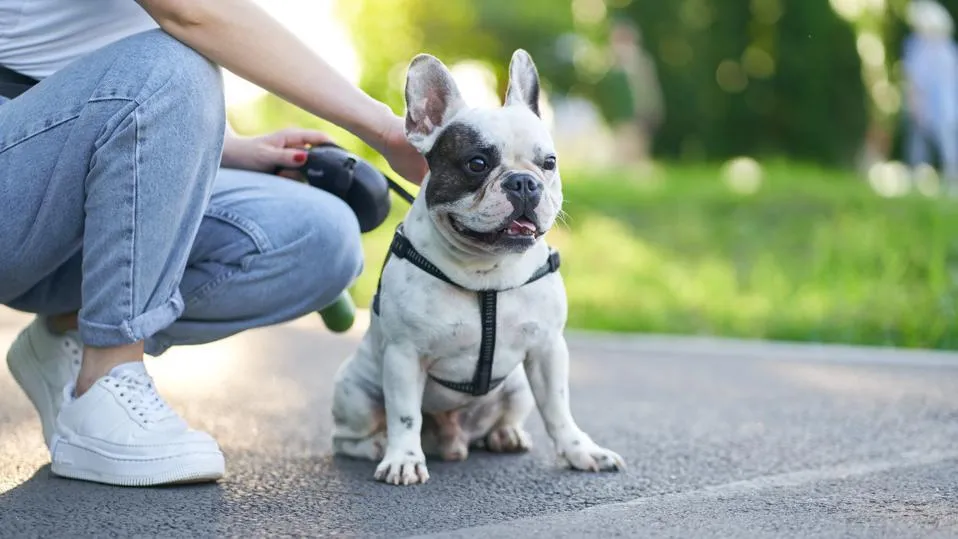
{"x": 399, "y": 190}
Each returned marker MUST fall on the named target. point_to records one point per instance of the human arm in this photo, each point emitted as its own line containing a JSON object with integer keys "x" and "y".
{"x": 241, "y": 37}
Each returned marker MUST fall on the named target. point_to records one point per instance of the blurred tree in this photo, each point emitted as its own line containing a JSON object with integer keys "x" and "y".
{"x": 755, "y": 77}
{"x": 388, "y": 33}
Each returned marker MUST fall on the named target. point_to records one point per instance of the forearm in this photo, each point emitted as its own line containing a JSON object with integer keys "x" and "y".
{"x": 242, "y": 38}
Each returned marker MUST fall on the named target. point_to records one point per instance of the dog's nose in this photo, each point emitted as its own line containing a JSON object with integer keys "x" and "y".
{"x": 525, "y": 186}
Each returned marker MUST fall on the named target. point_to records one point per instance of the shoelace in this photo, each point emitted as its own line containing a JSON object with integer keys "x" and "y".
{"x": 141, "y": 395}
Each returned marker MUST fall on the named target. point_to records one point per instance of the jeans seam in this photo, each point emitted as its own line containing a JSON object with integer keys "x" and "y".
{"x": 47, "y": 127}
{"x": 204, "y": 291}
{"x": 71, "y": 116}
{"x": 247, "y": 226}
{"x": 136, "y": 184}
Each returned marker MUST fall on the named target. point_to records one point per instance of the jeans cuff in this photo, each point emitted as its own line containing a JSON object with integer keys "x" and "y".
{"x": 137, "y": 329}
{"x": 156, "y": 346}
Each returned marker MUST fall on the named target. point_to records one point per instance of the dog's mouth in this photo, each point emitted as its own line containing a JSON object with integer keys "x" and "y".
{"x": 519, "y": 230}
{"x": 522, "y": 226}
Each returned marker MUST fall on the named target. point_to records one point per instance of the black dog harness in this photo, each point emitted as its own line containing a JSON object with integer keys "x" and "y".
{"x": 482, "y": 382}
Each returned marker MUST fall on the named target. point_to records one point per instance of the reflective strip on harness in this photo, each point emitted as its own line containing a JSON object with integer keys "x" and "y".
{"x": 482, "y": 381}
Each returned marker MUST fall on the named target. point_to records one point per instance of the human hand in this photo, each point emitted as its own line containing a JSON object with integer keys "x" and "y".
{"x": 402, "y": 156}
{"x": 284, "y": 149}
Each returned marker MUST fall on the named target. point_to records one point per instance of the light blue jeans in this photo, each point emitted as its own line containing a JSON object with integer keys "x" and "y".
{"x": 113, "y": 204}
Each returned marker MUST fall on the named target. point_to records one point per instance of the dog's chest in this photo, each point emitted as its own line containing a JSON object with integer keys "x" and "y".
{"x": 521, "y": 320}
{"x": 446, "y": 324}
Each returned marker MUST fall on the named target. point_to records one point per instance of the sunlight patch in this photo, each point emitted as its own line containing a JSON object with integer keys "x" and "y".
{"x": 926, "y": 180}
{"x": 889, "y": 179}
{"x": 743, "y": 175}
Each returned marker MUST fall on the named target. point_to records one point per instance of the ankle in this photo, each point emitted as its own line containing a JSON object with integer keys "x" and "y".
{"x": 98, "y": 362}
{"x": 59, "y": 324}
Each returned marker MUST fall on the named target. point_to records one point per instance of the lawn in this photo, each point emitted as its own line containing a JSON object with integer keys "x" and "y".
{"x": 812, "y": 255}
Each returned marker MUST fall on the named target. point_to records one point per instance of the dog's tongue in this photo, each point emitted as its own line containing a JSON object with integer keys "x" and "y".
{"x": 522, "y": 227}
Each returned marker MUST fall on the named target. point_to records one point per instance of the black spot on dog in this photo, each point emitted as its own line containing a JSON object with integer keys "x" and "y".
{"x": 406, "y": 421}
{"x": 449, "y": 178}
{"x": 577, "y": 442}
{"x": 410, "y": 454}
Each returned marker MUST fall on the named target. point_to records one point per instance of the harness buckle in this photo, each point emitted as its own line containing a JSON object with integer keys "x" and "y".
{"x": 400, "y": 245}
{"x": 554, "y": 261}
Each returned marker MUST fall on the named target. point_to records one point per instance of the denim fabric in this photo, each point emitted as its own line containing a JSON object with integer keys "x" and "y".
{"x": 112, "y": 203}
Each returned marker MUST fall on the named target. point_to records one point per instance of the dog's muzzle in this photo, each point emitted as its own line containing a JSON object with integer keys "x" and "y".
{"x": 524, "y": 191}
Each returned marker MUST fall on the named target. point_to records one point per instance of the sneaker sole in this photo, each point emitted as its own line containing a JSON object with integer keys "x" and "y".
{"x": 76, "y": 462}
{"x": 22, "y": 371}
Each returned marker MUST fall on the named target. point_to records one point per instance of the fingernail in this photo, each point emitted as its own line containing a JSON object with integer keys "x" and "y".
{"x": 300, "y": 157}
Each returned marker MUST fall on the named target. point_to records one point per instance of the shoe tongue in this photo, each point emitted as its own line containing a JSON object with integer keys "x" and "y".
{"x": 133, "y": 367}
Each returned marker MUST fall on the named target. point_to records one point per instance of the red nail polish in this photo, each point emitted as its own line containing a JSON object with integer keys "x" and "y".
{"x": 300, "y": 157}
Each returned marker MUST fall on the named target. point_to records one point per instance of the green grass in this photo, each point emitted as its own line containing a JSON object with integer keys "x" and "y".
{"x": 813, "y": 255}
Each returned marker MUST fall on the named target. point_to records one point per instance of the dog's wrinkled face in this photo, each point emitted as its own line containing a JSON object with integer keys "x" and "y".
{"x": 494, "y": 184}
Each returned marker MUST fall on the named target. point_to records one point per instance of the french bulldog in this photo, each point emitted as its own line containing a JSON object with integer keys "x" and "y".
{"x": 417, "y": 384}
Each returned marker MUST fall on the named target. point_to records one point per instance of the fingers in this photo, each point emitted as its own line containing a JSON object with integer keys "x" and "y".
{"x": 287, "y": 157}
{"x": 304, "y": 137}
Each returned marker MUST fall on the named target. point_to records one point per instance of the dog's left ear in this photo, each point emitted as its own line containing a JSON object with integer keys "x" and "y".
{"x": 523, "y": 82}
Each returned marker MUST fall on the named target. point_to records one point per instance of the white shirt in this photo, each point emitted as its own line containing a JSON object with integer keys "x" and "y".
{"x": 38, "y": 37}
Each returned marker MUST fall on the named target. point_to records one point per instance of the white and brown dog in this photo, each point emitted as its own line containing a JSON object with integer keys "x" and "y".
{"x": 467, "y": 332}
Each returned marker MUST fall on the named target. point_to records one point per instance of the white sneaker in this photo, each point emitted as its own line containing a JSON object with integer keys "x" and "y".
{"x": 121, "y": 432}
{"x": 43, "y": 363}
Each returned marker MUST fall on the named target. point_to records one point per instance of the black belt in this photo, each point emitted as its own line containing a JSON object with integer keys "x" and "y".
{"x": 13, "y": 84}
{"x": 482, "y": 381}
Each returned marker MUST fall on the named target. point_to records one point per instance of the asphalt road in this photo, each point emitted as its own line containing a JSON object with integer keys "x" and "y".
{"x": 723, "y": 439}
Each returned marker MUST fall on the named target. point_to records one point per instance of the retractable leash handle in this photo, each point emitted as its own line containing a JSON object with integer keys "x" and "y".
{"x": 365, "y": 189}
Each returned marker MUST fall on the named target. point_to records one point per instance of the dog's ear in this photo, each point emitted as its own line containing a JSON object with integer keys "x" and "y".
{"x": 523, "y": 82}
{"x": 432, "y": 99}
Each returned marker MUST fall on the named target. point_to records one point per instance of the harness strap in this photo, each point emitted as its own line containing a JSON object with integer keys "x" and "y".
{"x": 482, "y": 381}
{"x": 487, "y": 346}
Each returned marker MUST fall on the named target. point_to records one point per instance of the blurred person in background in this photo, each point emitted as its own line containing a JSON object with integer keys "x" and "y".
{"x": 930, "y": 58}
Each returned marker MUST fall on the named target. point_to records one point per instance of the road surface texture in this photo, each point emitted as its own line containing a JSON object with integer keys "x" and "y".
{"x": 723, "y": 439}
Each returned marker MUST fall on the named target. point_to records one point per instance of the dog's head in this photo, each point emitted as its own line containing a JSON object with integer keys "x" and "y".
{"x": 494, "y": 183}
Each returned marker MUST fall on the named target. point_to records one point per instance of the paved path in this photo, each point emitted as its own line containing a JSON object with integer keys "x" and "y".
{"x": 724, "y": 439}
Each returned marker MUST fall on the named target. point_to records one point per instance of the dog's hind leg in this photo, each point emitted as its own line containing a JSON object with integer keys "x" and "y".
{"x": 359, "y": 417}
{"x": 498, "y": 427}
{"x": 443, "y": 436}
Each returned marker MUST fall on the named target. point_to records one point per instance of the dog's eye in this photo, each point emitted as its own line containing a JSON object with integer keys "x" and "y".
{"x": 549, "y": 163}
{"x": 477, "y": 165}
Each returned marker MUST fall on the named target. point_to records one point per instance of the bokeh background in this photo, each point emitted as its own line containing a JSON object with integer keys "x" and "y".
{"x": 731, "y": 167}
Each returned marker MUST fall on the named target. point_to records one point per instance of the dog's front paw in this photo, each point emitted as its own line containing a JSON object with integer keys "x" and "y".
{"x": 588, "y": 456}
{"x": 405, "y": 467}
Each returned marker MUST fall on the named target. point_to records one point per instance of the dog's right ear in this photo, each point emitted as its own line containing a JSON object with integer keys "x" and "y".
{"x": 432, "y": 99}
